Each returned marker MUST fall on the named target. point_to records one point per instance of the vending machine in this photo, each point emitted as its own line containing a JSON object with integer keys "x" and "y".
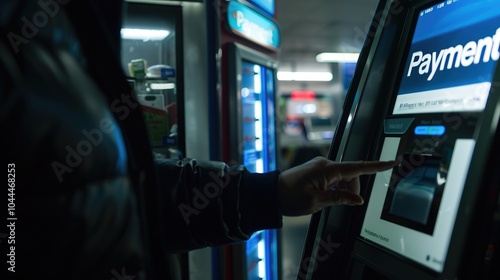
{"x": 425, "y": 94}
{"x": 249, "y": 41}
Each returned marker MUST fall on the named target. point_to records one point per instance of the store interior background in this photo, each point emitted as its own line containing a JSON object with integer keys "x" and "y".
{"x": 308, "y": 110}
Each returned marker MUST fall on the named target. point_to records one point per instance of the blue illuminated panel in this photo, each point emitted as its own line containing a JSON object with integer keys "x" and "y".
{"x": 436, "y": 130}
{"x": 257, "y": 103}
{"x": 452, "y": 58}
{"x": 266, "y": 5}
{"x": 246, "y": 22}
{"x": 259, "y": 155}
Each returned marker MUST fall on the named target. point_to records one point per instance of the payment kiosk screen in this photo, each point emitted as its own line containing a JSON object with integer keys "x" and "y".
{"x": 430, "y": 128}
{"x": 450, "y": 63}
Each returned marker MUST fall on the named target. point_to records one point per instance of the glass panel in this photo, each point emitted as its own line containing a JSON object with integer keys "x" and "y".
{"x": 258, "y": 128}
{"x": 259, "y": 155}
{"x": 251, "y": 117}
{"x": 149, "y": 60}
{"x": 271, "y": 121}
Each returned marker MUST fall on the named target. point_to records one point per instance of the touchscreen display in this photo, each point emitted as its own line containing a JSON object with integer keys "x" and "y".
{"x": 444, "y": 87}
{"x": 450, "y": 63}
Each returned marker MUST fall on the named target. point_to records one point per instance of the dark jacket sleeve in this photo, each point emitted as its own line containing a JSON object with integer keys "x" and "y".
{"x": 207, "y": 203}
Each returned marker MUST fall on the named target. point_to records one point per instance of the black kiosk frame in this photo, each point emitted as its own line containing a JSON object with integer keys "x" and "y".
{"x": 436, "y": 215}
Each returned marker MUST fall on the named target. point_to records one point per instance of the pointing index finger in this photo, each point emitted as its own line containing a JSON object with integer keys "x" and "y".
{"x": 354, "y": 169}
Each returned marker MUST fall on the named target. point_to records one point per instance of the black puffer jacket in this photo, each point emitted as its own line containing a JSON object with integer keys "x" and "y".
{"x": 89, "y": 201}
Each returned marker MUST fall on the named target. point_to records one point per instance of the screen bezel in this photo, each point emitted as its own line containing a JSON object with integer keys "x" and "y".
{"x": 404, "y": 45}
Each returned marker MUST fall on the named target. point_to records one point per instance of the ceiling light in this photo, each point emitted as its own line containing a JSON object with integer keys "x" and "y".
{"x": 337, "y": 57}
{"x": 144, "y": 34}
{"x": 305, "y": 76}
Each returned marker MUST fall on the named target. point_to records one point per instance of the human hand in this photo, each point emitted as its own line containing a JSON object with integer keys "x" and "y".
{"x": 319, "y": 183}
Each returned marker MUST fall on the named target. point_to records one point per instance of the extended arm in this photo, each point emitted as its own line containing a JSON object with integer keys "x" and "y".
{"x": 208, "y": 203}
